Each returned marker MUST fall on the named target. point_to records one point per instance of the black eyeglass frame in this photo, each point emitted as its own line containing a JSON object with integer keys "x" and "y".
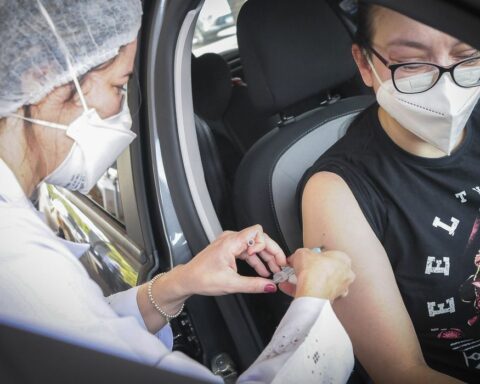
{"x": 442, "y": 70}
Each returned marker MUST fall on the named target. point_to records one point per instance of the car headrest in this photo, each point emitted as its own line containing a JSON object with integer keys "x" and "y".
{"x": 292, "y": 50}
{"x": 211, "y": 85}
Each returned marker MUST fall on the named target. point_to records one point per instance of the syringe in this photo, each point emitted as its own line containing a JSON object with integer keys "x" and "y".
{"x": 288, "y": 273}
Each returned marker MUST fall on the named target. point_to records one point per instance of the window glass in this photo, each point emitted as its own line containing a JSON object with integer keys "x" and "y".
{"x": 216, "y": 29}
{"x": 106, "y": 193}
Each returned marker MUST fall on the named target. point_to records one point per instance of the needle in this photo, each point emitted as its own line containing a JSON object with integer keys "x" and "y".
{"x": 288, "y": 273}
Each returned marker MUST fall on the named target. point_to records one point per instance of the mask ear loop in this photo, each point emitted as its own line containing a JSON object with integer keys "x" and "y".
{"x": 65, "y": 51}
{"x": 369, "y": 61}
{"x": 41, "y": 122}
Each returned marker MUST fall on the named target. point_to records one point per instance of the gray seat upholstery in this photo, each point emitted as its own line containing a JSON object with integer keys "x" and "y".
{"x": 267, "y": 179}
{"x": 294, "y": 160}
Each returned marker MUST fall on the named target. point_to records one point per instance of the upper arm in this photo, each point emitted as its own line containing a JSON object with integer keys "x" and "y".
{"x": 373, "y": 313}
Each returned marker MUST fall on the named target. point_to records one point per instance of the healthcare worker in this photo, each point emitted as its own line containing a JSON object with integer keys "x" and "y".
{"x": 64, "y": 119}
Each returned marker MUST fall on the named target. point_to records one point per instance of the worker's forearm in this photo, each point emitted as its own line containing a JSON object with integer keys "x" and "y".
{"x": 168, "y": 292}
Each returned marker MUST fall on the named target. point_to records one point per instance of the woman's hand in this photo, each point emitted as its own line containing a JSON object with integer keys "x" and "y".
{"x": 326, "y": 275}
{"x": 214, "y": 271}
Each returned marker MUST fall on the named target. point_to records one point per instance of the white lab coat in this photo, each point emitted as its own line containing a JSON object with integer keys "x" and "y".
{"x": 44, "y": 287}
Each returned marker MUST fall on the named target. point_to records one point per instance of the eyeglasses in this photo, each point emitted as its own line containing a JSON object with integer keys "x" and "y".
{"x": 417, "y": 77}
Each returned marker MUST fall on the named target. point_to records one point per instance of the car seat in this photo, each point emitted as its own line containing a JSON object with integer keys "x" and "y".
{"x": 296, "y": 59}
{"x": 211, "y": 90}
{"x": 295, "y": 55}
{"x": 226, "y": 124}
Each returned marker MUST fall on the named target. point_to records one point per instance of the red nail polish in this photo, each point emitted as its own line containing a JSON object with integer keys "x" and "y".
{"x": 270, "y": 288}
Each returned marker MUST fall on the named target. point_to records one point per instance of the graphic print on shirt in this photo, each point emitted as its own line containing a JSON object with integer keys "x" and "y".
{"x": 450, "y": 228}
{"x": 435, "y": 265}
{"x": 465, "y": 337}
{"x": 470, "y": 289}
{"x": 470, "y": 349}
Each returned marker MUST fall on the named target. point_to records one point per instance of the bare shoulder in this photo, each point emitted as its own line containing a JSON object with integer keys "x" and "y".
{"x": 332, "y": 217}
{"x": 328, "y": 193}
{"x": 325, "y": 180}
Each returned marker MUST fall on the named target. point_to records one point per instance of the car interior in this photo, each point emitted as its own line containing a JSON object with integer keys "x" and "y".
{"x": 21, "y": 348}
{"x": 295, "y": 102}
{"x": 227, "y": 124}
{"x": 228, "y": 119}
{"x": 285, "y": 76}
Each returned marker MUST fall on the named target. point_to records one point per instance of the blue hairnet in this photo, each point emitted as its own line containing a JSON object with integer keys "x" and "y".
{"x": 32, "y": 59}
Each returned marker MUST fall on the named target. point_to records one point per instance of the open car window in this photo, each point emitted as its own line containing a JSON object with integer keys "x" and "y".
{"x": 216, "y": 29}
{"x": 106, "y": 194}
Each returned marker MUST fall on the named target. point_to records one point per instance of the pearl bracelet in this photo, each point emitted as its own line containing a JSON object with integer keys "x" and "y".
{"x": 154, "y": 303}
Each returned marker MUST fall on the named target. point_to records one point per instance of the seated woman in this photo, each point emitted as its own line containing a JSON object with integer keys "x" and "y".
{"x": 64, "y": 119}
{"x": 400, "y": 193}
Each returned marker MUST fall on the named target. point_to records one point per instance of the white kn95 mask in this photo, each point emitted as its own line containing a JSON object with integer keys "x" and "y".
{"x": 97, "y": 144}
{"x": 437, "y": 115}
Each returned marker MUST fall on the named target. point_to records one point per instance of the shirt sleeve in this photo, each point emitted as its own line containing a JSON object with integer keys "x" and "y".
{"x": 309, "y": 346}
{"x": 125, "y": 304}
{"x": 46, "y": 288}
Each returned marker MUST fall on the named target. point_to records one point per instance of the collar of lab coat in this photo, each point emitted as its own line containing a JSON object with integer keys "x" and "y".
{"x": 10, "y": 189}
{"x": 12, "y": 193}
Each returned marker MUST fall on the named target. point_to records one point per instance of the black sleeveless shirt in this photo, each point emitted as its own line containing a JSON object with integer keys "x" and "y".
{"x": 426, "y": 214}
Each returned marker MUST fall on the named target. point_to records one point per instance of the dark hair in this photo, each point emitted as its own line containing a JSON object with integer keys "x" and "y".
{"x": 365, "y": 16}
{"x": 81, "y": 78}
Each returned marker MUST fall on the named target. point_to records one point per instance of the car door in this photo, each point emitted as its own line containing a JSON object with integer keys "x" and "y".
{"x": 177, "y": 193}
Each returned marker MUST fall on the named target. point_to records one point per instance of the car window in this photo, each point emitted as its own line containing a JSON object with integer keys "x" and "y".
{"x": 106, "y": 194}
{"x": 216, "y": 29}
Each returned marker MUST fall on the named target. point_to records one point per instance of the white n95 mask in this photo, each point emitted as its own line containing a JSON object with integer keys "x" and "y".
{"x": 437, "y": 115}
{"x": 97, "y": 144}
